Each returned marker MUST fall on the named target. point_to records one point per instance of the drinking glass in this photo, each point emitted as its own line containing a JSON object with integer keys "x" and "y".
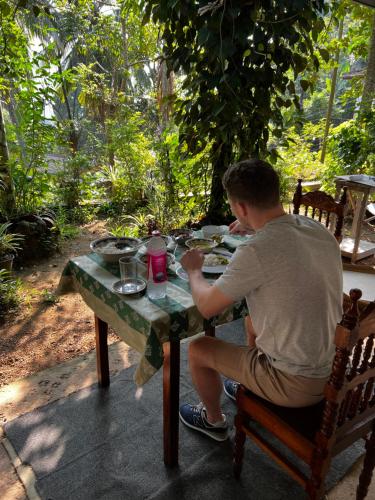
{"x": 128, "y": 273}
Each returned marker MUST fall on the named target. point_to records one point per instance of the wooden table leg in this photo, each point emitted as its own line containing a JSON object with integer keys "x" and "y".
{"x": 171, "y": 400}
{"x": 102, "y": 365}
{"x": 359, "y": 215}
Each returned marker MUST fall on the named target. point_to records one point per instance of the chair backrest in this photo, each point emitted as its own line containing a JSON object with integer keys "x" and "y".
{"x": 319, "y": 204}
{"x": 350, "y": 391}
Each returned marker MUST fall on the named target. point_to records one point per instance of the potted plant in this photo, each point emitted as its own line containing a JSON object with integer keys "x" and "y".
{"x": 9, "y": 244}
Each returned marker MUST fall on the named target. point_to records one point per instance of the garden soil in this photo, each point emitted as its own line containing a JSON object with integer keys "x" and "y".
{"x": 47, "y": 330}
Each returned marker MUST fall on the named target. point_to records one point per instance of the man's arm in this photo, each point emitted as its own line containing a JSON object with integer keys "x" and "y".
{"x": 209, "y": 299}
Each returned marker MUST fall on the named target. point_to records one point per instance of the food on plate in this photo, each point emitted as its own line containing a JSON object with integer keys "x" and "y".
{"x": 213, "y": 260}
{"x": 218, "y": 238}
{"x": 204, "y": 245}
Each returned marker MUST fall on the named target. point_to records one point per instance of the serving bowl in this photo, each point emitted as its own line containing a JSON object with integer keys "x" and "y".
{"x": 181, "y": 235}
{"x": 205, "y": 245}
{"x": 111, "y": 248}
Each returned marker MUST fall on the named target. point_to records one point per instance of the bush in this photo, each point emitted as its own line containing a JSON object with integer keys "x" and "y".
{"x": 299, "y": 158}
{"x": 9, "y": 296}
{"x": 351, "y": 149}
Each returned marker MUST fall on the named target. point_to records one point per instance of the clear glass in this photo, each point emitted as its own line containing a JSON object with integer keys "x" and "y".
{"x": 128, "y": 273}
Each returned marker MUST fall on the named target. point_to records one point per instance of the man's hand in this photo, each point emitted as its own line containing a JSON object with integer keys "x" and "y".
{"x": 208, "y": 298}
{"x": 237, "y": 228}
{"x": 192, "y": 260}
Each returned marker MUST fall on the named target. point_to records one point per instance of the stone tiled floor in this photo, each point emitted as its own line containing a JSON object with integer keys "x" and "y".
{"x": 57, "y": 382}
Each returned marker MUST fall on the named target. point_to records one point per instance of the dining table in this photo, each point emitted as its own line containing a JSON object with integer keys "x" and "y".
{"x": 154, "y": 327}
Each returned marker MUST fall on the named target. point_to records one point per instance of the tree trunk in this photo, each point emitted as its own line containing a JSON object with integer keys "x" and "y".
{"x": 165, "y": 89}
{"x": 332, "y": 94}
{"x": 215, "y": 213}
{"x": 7, "y": 197}
{"x": 369, "y": 86}
{"x": 15, "y": 119}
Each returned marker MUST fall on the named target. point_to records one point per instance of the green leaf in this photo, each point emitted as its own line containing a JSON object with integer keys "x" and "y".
{"x": 218, "y": 110}
{"x": 36, "y": 10}
{"x": 5, "y": 8}
{"x": 325, "y": 54}
{"x": 299, "y": 62}
{"x": 304, "y": 84}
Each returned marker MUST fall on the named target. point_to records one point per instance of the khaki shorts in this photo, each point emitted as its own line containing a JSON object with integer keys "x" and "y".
{"x": 251, "y": 368}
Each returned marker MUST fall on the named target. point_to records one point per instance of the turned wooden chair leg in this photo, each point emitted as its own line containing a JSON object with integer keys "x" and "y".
{"x": 315, "y": 487}
{"x": 368, "y": 467}
{"x": 239, "y": 443}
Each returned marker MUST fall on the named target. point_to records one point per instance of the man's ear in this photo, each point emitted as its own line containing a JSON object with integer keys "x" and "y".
{"x": 243, "y": 209}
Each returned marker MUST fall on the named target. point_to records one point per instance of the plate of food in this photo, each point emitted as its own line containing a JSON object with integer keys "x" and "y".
{"x": 215, "y": 263}
{"x": 203, "y": 244}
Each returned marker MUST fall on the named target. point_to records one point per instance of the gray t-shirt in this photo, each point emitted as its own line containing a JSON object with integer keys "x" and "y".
{"x": 290, "y": 273}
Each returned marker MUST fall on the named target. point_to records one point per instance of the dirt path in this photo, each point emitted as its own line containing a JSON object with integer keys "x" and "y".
{"x": 42, "y": 333}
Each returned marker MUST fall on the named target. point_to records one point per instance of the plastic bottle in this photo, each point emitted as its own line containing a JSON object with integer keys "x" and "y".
{"x": 156, "y": 267}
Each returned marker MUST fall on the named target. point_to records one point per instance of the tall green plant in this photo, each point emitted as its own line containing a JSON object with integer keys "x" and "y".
{"x": 240, "y": 61}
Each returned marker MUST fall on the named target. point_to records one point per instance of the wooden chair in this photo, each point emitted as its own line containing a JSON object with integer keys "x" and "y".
{"x": 321, "y": 204}
{"x": 317, "y": 433}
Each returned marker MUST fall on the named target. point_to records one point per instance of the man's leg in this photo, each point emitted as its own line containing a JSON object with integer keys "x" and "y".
{"x": 206, "y": 379}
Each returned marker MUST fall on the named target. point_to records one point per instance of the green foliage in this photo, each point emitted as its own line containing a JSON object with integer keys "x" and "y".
{"x": 66, "y": 230}
{"x": 131, "y": 225}
{"x": 69, "y": 179}
{"x": 9, "y": 292}
{"x": 10, "y": 243}
{"x": 133, "y": 160}
{"x": 49, "y": 297}
{"x": 299, "y": 157}
{"x": 352, "y": 149}
{"x": 187, "y": 177}
{"x": 240, "y": 61}
{"x": 80, "y": 79}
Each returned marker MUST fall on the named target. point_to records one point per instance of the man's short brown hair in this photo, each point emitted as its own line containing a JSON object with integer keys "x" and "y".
{"x": 253, "y": 181}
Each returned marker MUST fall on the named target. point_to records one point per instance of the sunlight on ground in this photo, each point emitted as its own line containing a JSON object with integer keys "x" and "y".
{"x": 48, "y": 438}
{"x": 13, "y": 393}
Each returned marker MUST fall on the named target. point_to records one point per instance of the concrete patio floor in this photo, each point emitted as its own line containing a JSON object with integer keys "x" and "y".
{"x": 22, "y": 396}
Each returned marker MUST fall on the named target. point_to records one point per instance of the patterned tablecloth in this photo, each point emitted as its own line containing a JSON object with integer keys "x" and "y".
{"x": 142, "y": 323}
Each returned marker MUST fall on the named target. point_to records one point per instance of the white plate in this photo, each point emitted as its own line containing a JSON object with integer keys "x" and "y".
{"x": 216, "y": 269}
{"x": 209, "y": 231}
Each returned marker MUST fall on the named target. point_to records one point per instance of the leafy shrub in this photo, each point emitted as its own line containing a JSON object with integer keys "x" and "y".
{"x": 351, "y": 148}
{"x": 66, "y": 230}
{"x": 9, "y": 296}
{"x": 299, "y": 158}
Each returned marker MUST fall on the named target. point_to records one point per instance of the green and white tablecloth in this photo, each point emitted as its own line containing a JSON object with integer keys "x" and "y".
{"x": 143, "y": 324}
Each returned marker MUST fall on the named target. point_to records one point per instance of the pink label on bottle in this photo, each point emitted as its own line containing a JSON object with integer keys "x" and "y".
{"x": 158, "y": 266}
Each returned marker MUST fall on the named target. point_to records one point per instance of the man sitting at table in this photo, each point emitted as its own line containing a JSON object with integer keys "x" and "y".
{"x": 290, "y": 273}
